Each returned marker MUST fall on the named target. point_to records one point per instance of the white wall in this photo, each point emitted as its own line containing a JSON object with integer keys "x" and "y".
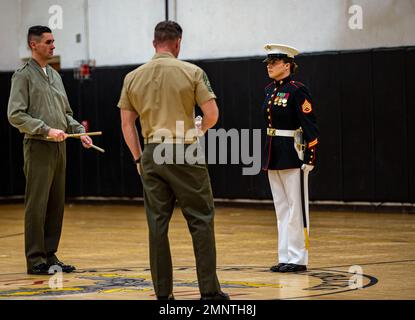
{"x": 35, "y": 12}
{"x": 120, "y": 32}
{"x": 241, "y": 27}
{"x": 9, "y": 28}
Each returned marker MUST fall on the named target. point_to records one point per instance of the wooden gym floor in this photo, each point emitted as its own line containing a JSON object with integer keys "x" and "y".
{"x": 109, "y": 246}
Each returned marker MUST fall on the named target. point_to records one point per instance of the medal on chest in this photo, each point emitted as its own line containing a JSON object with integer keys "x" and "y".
{"x": 281, "y": 99}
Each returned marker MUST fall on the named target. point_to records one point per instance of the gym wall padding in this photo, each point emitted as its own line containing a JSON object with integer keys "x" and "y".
{"x": 390, "y": 127}
{"x": 364, "y": 101}
{"x": 11, "y": 160}
{"x": 321, "y": 74}
{"x": 410, "y": 119}
{"x": 356, "y": 111}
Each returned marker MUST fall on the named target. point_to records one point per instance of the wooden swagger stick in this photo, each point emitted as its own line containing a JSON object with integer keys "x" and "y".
{"x": 97, "y": 148}
{"x": 78, "y": 135}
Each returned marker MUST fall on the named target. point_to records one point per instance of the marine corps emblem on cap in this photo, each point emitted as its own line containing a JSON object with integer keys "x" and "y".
{"x": 278, "y": 51}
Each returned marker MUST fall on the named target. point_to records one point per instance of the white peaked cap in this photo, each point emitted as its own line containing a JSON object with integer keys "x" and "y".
{"x": 280, "y": 50}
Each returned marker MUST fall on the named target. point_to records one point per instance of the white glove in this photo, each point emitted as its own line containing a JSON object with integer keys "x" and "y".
{"x": 307, "y": 167}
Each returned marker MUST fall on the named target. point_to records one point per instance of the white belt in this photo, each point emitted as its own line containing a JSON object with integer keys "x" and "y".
{"x": 280, "y": 133}
{"x": 169, "y": 140}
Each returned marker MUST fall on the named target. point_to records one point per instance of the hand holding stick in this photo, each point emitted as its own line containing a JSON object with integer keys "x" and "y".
{"x": 87, "y": 143}
{"x": 78, "y": 135}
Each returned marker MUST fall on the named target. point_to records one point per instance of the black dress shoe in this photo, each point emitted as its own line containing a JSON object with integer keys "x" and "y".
{"x": 277, "y": 267}
{"x": 215, "y": 296}
{"x": 169, "y": 297}
{"x": 65, "y": 267}
{"x": 40, "y": 269}
{"x": 291, "y": 267}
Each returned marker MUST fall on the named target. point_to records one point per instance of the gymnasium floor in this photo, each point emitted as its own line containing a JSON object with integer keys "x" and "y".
{"x": 108, "y": 243}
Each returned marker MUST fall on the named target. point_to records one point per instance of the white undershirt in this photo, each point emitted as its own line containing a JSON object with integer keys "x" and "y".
{"x": 44, "y": 70}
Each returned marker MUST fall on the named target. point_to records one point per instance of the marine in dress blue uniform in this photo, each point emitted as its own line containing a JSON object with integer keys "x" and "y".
{"x": 289, "y": 154}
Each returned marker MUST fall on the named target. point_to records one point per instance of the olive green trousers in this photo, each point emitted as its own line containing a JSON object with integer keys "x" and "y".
{"x": 44, "y": 169}
{"x": 189, "y": 184}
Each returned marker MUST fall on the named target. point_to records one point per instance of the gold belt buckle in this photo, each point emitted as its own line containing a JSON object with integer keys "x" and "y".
{"x": 272, "y": 132}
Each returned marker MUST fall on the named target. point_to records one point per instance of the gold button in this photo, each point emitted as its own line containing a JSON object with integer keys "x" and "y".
{"x": 269, "y": 117}
{"x": 269, "y": 102}
{"x": 310, "y": 162}
{"x": 270, "y": 125}
{"x": 267, "y": 109}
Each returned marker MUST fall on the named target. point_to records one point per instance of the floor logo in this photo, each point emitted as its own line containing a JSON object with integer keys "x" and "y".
{"x": 241, "y": 282}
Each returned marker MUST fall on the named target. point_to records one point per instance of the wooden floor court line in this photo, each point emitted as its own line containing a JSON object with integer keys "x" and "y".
{"x": 109, "y": 246}
{"x": 12, "y": 235}
{"x": 369, "y": 264}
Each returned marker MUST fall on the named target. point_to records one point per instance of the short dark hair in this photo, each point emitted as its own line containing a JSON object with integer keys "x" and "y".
{"x": 36, "y": 31}
{"x": 167, "y": 31}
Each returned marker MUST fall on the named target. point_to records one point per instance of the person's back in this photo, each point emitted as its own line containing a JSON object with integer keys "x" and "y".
{"x": 166, "y": 90}
{"x": 163, "y": 93}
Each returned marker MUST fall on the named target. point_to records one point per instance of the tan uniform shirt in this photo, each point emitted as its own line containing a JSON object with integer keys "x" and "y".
{"x": 163, "y": 91}
{"x": 38, "y": 102}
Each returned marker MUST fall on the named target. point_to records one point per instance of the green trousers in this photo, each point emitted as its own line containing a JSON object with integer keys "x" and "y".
{"x": 44, "y": 168}
{"x": 190, "y": 185}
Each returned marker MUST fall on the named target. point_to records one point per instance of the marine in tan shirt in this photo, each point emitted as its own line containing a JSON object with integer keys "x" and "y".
{"x": 164, "y": 91}
{"x": 163, "y": 94}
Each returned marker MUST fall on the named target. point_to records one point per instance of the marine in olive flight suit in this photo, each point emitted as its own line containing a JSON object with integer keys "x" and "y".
{"x": 39, "y": 108}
